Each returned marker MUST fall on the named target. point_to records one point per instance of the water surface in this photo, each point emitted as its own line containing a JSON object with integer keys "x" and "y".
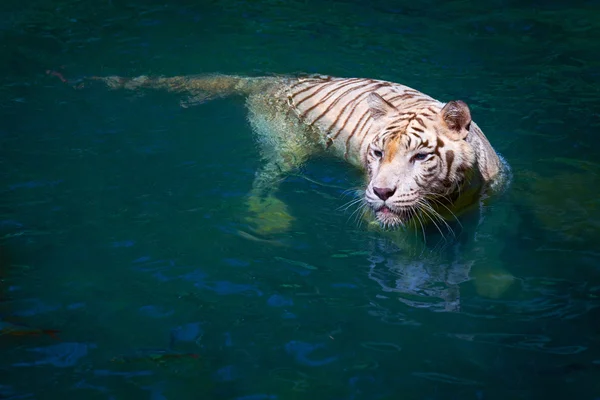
{"x": 120, "y": 212}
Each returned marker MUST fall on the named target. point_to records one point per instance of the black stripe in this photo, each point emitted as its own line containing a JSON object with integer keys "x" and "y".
{"x": 347, "y": 118}
{"x": 449, "y": 161}
{"x": 402, "y": 96}
{"x": 303, "y": 81}
{"x": 360, "y": 130}
{"x": 424, "y": 143}
{"x": 323, "y": 86}
{"x": 364, "y": 136}
{"x": 337, "y": 99}
{"x": 327, "y": 96}
{"x": 422, "y": 186}
{"x": 366, "y": 114}
{"x": 354, "y": 100}
{"x": 307, "y": 88}
{"x": 415, "y": 135}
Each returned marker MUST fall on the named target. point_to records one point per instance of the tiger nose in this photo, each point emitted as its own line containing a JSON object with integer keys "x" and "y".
{"x": 384, "y": 193}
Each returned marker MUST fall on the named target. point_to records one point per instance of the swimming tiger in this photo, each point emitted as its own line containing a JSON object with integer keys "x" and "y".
{"x": 420, "y": 156}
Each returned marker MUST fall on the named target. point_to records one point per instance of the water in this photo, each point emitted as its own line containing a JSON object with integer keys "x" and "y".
{"x": 120, "y": 213}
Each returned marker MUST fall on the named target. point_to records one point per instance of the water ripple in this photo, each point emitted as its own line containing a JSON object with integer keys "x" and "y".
{"x": 539, "y": 343}
{"x": 126, "y": 374}
{"x": 155, "y": 311}
{"x": 60, "y": 355}
{"x": 546, "y": 299}
{"x": 444, "y": 378}
{"x": 279, "y": 301}
{"x": 258, "y": 397}
{"x": 302, "y": 350}
{"x": 186, "y": 333}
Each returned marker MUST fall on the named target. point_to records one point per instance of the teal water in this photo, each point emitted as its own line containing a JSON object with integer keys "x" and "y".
{"x": 120, "y": 212}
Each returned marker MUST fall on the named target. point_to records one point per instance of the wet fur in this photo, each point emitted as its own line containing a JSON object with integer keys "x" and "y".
{"x": 381, "y": 127}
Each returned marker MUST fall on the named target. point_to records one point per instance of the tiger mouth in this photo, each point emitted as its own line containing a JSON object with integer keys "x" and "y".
{"x": 385, "y": 210}
{"x": 391, "y": 218}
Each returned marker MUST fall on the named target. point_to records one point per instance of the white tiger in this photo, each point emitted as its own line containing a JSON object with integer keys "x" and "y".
{"x": 422, "y": 158}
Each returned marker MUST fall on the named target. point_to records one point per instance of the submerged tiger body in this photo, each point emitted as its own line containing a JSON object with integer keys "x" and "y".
{"x": 419, "y": 154}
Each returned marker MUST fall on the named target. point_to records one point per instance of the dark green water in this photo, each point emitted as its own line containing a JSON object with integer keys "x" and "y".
{"x": 119, "y": 212}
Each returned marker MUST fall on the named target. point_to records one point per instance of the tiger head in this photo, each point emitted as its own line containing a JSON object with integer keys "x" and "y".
{"x": 417, "y": 160}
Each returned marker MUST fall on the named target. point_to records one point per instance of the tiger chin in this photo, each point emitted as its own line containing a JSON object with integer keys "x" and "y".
{"x": 422, "y": 157}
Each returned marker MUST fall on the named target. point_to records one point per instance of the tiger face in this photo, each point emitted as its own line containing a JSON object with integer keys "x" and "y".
{"x": 416, "y": 160}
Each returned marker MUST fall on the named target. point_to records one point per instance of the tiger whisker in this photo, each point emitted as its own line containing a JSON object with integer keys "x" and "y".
{"x": 424, "y": 210}
{"x": 437, "y": 198}
{"x": 346, "y": 206}
{"x": 357, "y": 190}
{"x": 439, "y": 202}
{"x": 359, "y": 212}
{"x": 411, "y": 218}
{"x": 356, "y": 215}
{"x": 439, "y": 217}
{"x": 361, "y": 218}
{"x": 416, "y": 214}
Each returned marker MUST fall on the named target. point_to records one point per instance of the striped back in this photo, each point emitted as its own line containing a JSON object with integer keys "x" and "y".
{"x": 339, "y": 109}
{"x": 415, "y": 149}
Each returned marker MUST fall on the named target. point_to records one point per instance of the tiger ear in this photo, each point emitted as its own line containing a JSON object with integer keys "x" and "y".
{"x": 379, "y": 107}
{"x": 457, "y": 118}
